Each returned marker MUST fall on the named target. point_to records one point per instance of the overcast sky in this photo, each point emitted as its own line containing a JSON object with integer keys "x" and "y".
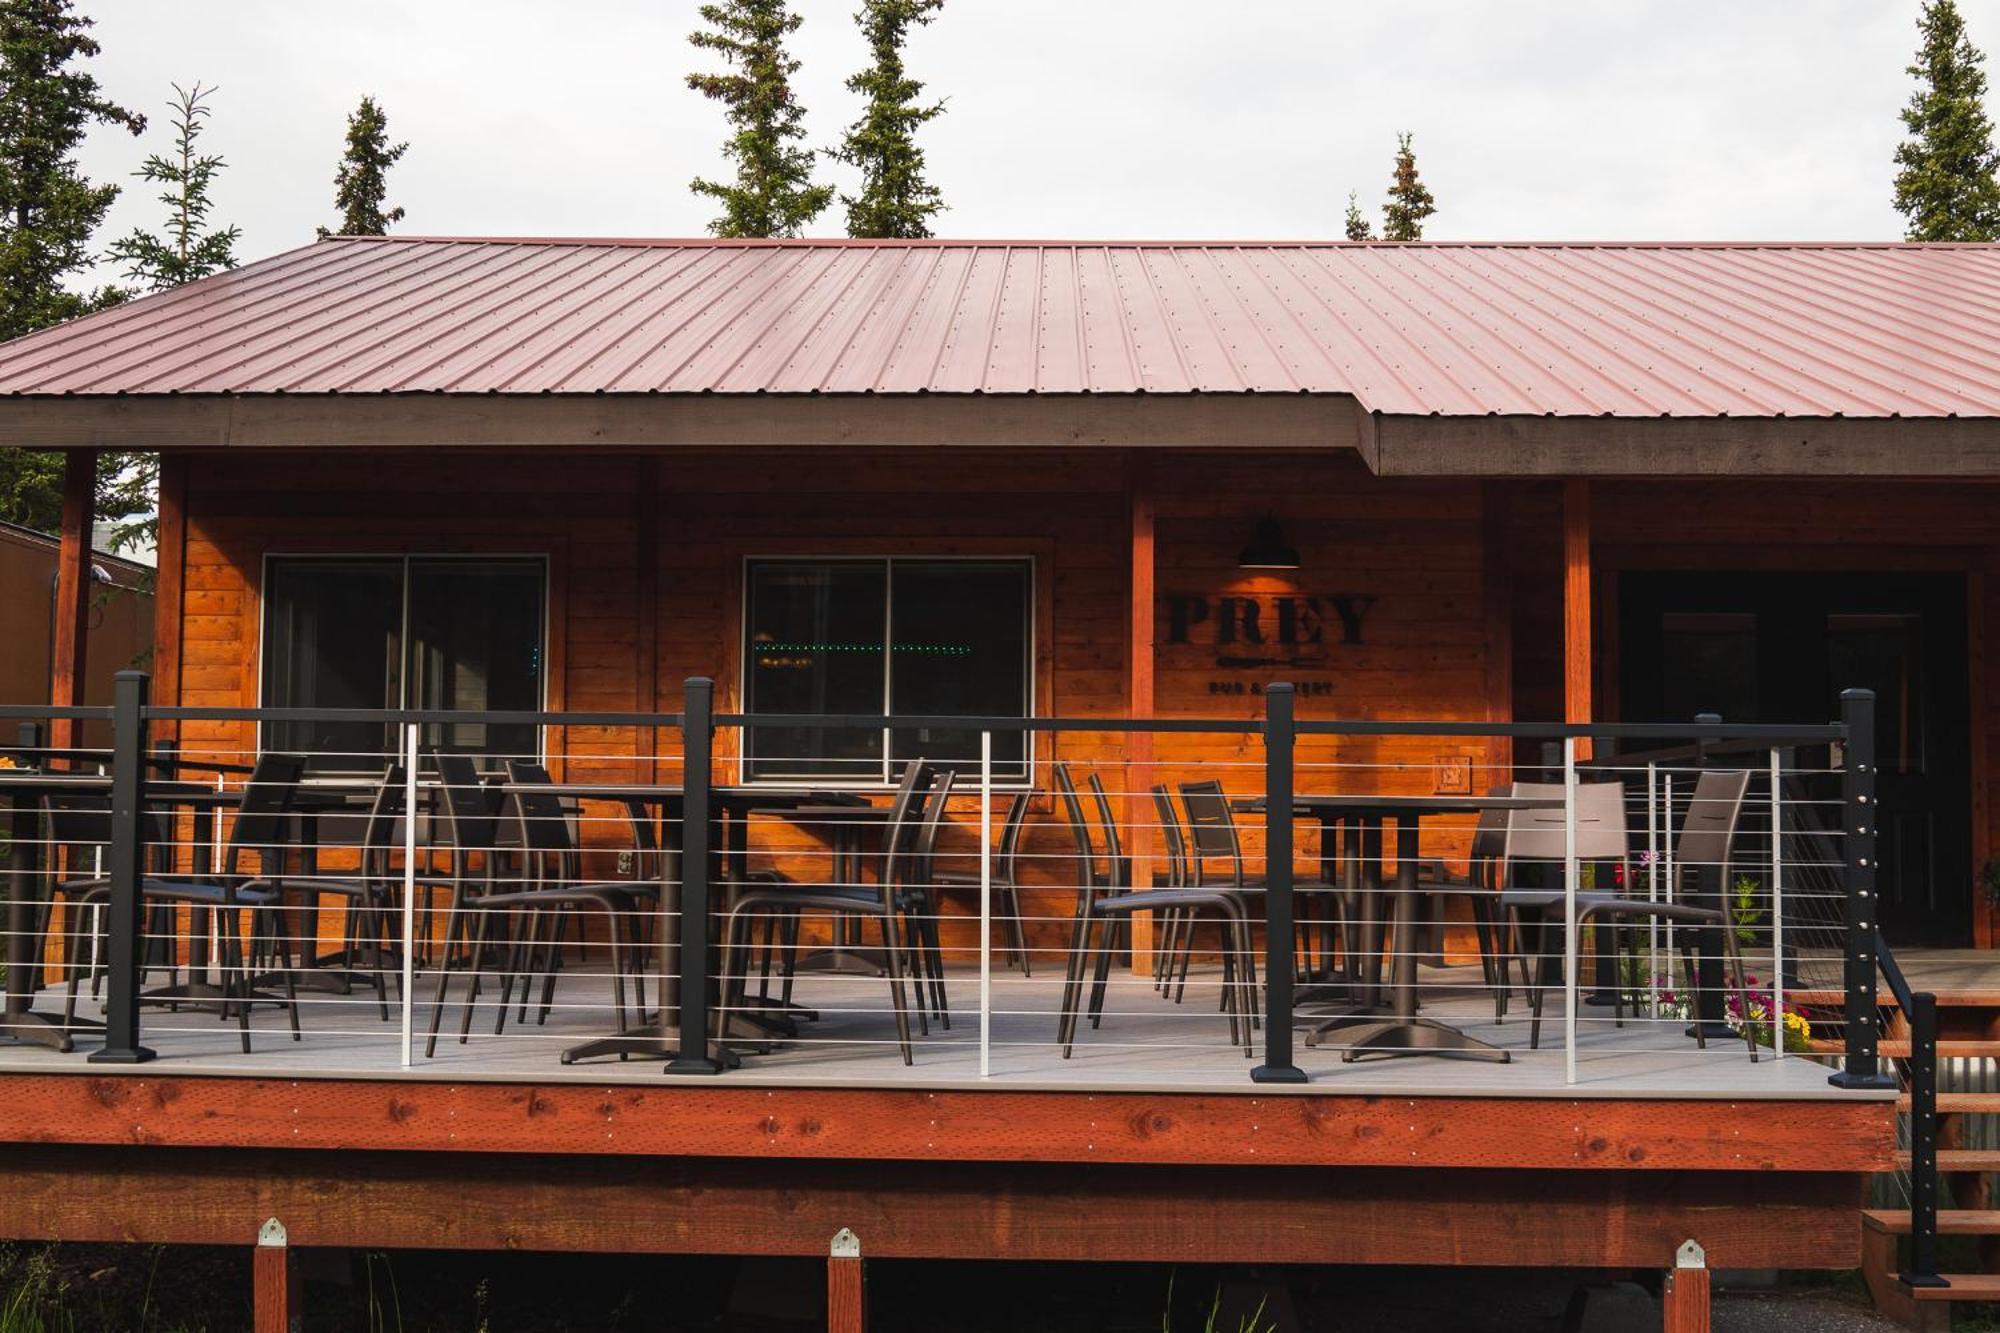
{"x": 1534, "y": 119}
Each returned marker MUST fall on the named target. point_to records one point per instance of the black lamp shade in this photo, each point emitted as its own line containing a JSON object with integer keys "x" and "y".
{"x": 1267, "y": 549}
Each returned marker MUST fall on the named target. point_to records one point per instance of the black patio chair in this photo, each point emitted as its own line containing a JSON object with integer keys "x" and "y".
{"x": 1005, "y": 877}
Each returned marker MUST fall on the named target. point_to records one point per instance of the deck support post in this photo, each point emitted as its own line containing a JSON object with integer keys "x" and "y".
{"x": 1280, "y": 728}
{"x": 1140, "y": 703}
{"x": 278, "y": 1301}
{"x": 846, "y": 1289}
{"x": 1684, "y": 1299}
{"x": 1578, "y": 666}
{"x": 1857, "y": 798}
{"x": 697, "y": 736}
{"x": 124, "y": 922}
{"x": 70, "y": 639}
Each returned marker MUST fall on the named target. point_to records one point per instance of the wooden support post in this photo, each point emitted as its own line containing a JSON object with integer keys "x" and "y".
{"x": 846, "y": 1292}
{"x": 72, "y": 610}
{"x": 1577, "y": 663}
{"x": 1684, "y": 1300}
{"x": 1141, "y": 702}
{"x": 646, "y": 540}
{"x": 169, "y": 588}
{"x": 277, "y": 1299}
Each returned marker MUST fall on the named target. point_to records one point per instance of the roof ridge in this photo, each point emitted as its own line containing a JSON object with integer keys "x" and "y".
{"x": 1024, "y": 243}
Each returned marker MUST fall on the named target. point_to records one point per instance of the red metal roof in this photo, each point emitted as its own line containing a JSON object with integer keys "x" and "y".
{"x": 1444, "y": 328}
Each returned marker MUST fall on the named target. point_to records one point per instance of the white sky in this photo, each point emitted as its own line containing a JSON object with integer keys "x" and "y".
{"x": 1534, "y": 119}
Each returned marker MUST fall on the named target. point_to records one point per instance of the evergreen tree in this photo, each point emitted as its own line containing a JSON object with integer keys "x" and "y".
{"x": 773, "y": 194}
{"x": 361, "y": 186}
{"x": 895, "y": 199}
{"x": 48, "y": 210}
{"x": 1946, "y": 182}
{"x": 190, "y": 248}
{"x": 1409, "y": 201}
{"x": 1357, "y": 226}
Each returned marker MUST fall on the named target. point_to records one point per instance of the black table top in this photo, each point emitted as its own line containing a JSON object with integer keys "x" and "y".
{"x": 1316, "y": 803}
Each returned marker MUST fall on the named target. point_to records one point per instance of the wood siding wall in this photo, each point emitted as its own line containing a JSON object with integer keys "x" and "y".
{"x": 646, "y": 556}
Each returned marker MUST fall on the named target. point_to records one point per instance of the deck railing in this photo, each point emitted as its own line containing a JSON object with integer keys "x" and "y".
{"x": 1297, "y": 958}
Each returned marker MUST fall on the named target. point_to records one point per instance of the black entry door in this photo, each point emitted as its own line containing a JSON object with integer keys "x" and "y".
{"x": 1778, "y": 648}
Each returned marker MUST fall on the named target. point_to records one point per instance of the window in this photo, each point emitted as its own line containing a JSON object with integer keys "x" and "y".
{"x": 439, "y": 632}
{"x": 943, "y": 638}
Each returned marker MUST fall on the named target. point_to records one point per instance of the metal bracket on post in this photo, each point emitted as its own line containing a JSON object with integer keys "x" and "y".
{"x": 1857, "y": 800}
{"x": 1280, "y": 737}
{"x": 846, "y": 1245}
{"x": 127, "y": 863}
{"x": 272, "y": 1232}
{"x": 697, "y": 737}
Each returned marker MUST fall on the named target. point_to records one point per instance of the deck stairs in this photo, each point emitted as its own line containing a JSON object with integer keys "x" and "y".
{"x": 1968, "y": 1157}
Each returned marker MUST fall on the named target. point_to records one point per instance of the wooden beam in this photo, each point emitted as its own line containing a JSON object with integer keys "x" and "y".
{"x": 672, "y": 1119}
{"x": 1140, "y": 701}
{"x": 1577, "y": 662}
{"x": 1547, "y": 446}
{"x": 646, "y": 590}
{"x": 169, "y": 585}
{"x": 651, "y": 421}
{"x": 69, "y": 652}
{"x": 709, "y": 1205}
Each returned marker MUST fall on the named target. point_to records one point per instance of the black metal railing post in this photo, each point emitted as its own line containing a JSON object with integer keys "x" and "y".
{"x": 697, "y": 740}
{"x": 28, "y": 745}
{"x": 1280, "y": 741}
{"x": 1859, "y": 962}
{"x": 1923, "y": 1065}
{"x": 126, "y": 866}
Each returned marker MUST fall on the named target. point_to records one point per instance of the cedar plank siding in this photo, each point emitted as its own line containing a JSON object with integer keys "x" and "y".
{"x": 1466, "y": 574}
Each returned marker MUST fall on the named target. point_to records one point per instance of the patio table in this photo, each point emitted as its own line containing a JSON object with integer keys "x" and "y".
{"x": 1395, "y": 1029}
{"x": 25, "y": 790}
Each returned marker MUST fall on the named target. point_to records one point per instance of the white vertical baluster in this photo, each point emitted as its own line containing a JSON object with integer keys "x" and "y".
{"x": 409, "y": 891}
{"x": 1569, "y": 909}
{"x": 1777, "y": 909}
{"x": 985, "y": 903}
{"x": 1667, "y": 860}
{"x": 1652, "y": 888}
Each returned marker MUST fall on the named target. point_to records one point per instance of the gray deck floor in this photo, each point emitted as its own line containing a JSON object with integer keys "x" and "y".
{"x": 1145, "y": 1043}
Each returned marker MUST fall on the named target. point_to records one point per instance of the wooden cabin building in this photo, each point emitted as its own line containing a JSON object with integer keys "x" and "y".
{"x": 1479, "y": 483}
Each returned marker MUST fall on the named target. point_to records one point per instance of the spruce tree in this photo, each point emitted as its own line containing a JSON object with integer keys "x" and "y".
{"x": 1409, "y": 201}
{"x": 48, "y": 211}
{"x": 189, "y": 248}
{"x": 773, "y": 194}
{"x": 1357, "y": 225}
{"x": 361, "y": 186}
{"x": 895, "y": 199}
{"x": 1946, "y": 182}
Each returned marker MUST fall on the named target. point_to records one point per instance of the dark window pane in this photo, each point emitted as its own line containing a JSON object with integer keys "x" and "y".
{"x": 1708, "y": 664}
{"x": 476, "y": 645}
{"x": 959, "y": 633}
{"x": 331, "y": 640}
{"x": 1884, "y": 653}
{"x": 815, "y": 634}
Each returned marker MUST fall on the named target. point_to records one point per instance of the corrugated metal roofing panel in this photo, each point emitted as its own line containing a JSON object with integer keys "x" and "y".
{"x": 1439, "y": 328}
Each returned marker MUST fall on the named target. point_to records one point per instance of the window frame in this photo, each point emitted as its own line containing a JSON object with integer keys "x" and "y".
{"x": 405, "y": 558}
{"x": 1030, "y": 658}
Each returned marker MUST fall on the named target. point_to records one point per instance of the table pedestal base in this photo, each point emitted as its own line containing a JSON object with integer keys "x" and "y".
{"x": 1411, "y": 1036}
{"x": 32, "y": 1029}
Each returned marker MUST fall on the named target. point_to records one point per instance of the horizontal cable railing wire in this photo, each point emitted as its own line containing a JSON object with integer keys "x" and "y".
{"x": 625, "y": 888}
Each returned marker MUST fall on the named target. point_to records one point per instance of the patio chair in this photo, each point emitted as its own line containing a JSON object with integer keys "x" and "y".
{"x": 1707, "y": 837}
{"x": 919, "y": 803}
{"x": 480, "y": 894}
{"x": 230, "y": 894}
{"x": 1105, "y": 900}
{"x": 1005, "y": 880}
{"x": 1480, "y": 887}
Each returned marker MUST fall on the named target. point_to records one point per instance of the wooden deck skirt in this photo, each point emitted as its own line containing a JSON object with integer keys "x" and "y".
{"x": 682, "y": 1167}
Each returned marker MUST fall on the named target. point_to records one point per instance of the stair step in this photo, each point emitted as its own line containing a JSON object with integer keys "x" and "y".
{"x": 1965, "y": 997}
{"x": 1960, "y": 1103}
{"x": 1951, "y": 1221}
{"x": 1964, "y": 1287}
{"x": 1960, "y": 1159}
{"x": 1898, "y": 1048}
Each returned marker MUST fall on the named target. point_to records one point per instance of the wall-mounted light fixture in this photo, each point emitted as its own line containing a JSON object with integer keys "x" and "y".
{"x": 1267, "y": 548}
